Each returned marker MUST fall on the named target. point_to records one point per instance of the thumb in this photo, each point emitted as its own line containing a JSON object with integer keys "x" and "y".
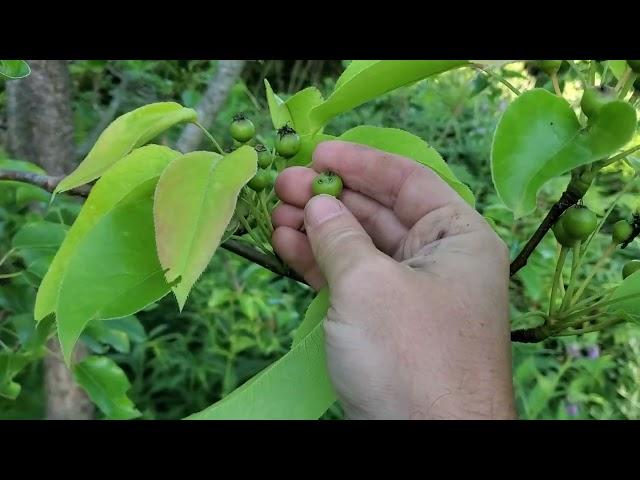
{"x": 338, "y": 241}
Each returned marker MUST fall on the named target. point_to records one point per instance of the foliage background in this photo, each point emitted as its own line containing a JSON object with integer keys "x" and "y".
{"x": 239, "y": 317}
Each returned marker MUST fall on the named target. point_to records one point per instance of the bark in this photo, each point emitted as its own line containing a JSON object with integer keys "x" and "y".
{"x": 40, "y": 120}
{"x": 40, "y": 130}
{"x": 217, "y": 92}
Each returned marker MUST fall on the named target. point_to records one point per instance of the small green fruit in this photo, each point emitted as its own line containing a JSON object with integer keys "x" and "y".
{"x": 260, "y": 181}
{"x": 561, "y": 235}
{"x": 287, "y": 142}
{"x": 622, "y": 230}
{"x": 327, "y": 183}
{"x": 242, "y": 129}
{"x": 550, "y": 66}
{"x": 265, "y": 158}
{"x": 579, "y": 222}
{"x": 593, "y": 99}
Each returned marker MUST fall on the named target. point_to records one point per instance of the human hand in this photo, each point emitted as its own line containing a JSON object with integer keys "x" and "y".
{"x": 418, "y": 325}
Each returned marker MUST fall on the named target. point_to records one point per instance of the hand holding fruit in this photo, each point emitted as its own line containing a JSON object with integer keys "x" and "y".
{"x": 418, "y": 325}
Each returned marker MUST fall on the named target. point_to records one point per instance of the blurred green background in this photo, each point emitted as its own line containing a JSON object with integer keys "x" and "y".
{"x": 239, "y": 317}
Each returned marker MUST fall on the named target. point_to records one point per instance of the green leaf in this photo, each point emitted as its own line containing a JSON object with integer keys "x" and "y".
{"x": 38, "y": 239}
{"x": 24, "y": 193}
{"x": 315, "y": 313}
{"x": 136, "y": 168}
{"x": 100, "y": 332}
{"x": 124, "y": 134}
{"x": 539, "y": 138}
{"x": 20, "y": 165}
{"x": 204, "y": 188}
{"x": 630, "y": 287}
{"x": 14, "y": 68}
{"x": 402, "y": 143}
{"x": 364, "y": 80}
{"x": 10, "y": 365}
{"x": 618, "y": 67}
{"x": 299, "y": 107}
{"x": 280, "y": 115}
{"x": 107, "y": 385}
{"x": 114, "y": 271}
{"x": 129, "y": 325}
{"x": 296, "y": 387}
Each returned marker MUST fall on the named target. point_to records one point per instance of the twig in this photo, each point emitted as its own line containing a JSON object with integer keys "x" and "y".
{"x": 45, "y": 182}
{"x": 568, "y": 199}
{"x": 49, "y": 184}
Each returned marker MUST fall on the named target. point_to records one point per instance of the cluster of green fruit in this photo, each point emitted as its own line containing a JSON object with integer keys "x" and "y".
{"x": 287, "y": 146}
{"x": 578, "y": 223}
{"x": 593, "y": 99}
{"x": 575, "y": 225}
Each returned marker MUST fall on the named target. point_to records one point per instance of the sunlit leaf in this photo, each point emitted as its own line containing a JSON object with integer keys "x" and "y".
{"x": 136, "y": 168}
{"x": 14, "y": 69}
{"x": 204, "y": 188}
{"x": 280, "y": 115}
{"x": 403, "y": 143}
{"x": 124, "y": 134}
{"x": 364, "y": 80}
{"x": 114, "y": 271}
{"x": 539, "y": 138}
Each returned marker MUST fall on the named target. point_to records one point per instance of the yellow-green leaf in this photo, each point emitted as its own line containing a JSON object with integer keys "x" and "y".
{"x": 403, "y": 143}
{"x": 364, "y": 80}
{"x": 114, "y": 271}
{"x": 125, "y": 133}
{"x": 203, "y": 187}
{"x": 136, "y": 168}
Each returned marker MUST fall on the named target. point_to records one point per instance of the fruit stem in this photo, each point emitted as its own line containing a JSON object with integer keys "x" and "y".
{"x": 556, "y": 84}
{"x": 596, "y": 268}
{"x": 556, "y": 279}
{"x": 575, "y": 266}
{"x": 594, "y": 328}
{"x": 623, "y": 80}
{"x": 499, "y": 78}
{"x": 615, "y": 158}
{"x": 210, "y": 137}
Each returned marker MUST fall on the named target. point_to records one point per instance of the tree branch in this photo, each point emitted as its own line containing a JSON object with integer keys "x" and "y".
{"x": 213, "y": 99}
{"x": 569, "y": 198}
{"x": 45, "y": 182}
{"x": 49, "y": 184}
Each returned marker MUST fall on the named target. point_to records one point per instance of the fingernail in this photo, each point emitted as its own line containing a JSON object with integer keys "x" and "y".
{"x": 320, "y": 209}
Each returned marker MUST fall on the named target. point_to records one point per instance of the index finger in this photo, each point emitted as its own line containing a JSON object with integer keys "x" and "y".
{"x": 410, "y": 189}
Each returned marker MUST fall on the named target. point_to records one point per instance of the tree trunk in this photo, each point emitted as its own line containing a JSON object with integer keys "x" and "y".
{"x": 40, "y": 130}
{"x": 217, "y": 92}
{"x": 40, "y": 120}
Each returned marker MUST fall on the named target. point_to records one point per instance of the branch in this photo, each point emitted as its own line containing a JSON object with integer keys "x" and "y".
{"x": 49, "y": 184}
{"x": 569, "y": 198}
{"x": 45, "y": 182}
{"x": 267, "y": 261}
{"x": 529, "y": 335}
{"x": 217, "y": 92}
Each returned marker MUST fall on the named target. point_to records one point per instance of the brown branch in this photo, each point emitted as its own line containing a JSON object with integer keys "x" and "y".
{"x": 267, "y": 261}
{"x": 569, "y": 198}
{"x": 49, "y": 184}
{"x": 45, "y": 182}
{"x": 529, "y": 335}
